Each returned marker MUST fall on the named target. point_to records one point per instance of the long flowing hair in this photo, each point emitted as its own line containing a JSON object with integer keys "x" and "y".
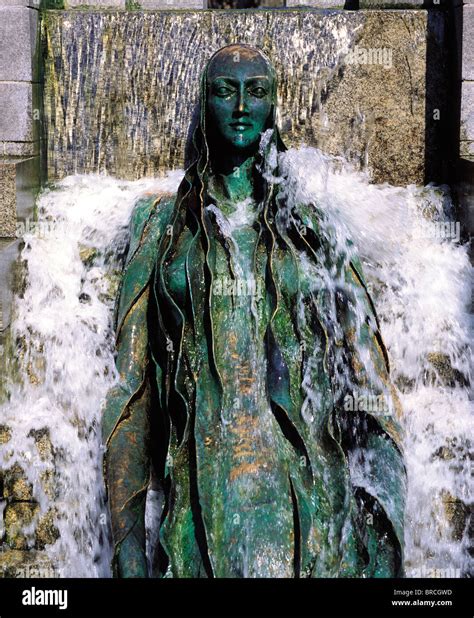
{"x": 192, "y": 196}
{"x": 323, "y": 360}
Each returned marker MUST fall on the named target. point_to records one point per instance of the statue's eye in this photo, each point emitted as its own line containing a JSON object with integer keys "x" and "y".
{"x": 223, "y": 91}
{"x": 259, "y": 92}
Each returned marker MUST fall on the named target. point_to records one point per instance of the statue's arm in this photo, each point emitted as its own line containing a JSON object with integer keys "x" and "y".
{"x": 369, "y": 435}
{"x": 125, "y": 421}
{"x": 126, "y": 462}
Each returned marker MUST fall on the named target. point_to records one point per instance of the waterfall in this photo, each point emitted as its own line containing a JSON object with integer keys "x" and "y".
{"x": 117, "y": 82}
{"x": 418, "y": 273}
{"x": 121, "y": 87}
{"x": 64, "y": 344}
{"x": 420, "y": 277}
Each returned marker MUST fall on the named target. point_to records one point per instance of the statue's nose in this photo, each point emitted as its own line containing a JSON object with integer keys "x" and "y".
{"x": 241, "y": 102}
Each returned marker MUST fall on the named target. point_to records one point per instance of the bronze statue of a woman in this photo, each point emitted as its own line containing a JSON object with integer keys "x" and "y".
{"x": 242, "y": 330}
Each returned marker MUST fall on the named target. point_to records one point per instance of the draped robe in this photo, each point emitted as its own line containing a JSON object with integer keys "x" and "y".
{"x": 237, "y": 400}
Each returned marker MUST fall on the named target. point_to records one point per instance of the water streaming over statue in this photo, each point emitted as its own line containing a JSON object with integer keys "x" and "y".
{"x": 417, "y": 273}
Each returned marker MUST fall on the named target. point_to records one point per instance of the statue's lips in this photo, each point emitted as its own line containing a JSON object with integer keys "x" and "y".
{"x": 240, "y": 126}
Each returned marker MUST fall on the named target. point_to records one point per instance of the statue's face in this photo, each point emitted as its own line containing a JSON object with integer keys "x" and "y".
{"x": 239, "y": 96}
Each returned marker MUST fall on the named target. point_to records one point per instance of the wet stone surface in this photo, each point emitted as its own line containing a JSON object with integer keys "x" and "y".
{"x": 101, "y": 80}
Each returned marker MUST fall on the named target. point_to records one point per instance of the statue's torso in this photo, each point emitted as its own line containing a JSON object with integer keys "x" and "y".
{"x": 254, "y": 512}
{"x": 258, "y": 470}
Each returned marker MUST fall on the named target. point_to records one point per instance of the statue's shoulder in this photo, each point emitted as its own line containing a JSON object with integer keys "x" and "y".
{"x": 149, "y": 219}
{"x": 151, "y": 211}
{"x": 309, "y": 216}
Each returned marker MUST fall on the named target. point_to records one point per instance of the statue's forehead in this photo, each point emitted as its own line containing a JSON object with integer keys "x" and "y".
{"x": 237, "y": 62}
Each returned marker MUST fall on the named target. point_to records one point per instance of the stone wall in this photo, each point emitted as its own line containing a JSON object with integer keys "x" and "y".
{"x": 132, "y": 5}
{"x": 24, "y": 529}
{"x": 19, "y": 78}
{"x": 115, "y": 115}
{"x": 464, "y": 22}
{"x": 19, "y": 133}
{"x": 370, "y": 4}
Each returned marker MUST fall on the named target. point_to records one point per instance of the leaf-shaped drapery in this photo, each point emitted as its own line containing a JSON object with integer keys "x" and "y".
{"x": 237, "y": 352}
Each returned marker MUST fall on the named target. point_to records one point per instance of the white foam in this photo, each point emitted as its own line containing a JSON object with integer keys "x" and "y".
{"x": 421, "y": 285}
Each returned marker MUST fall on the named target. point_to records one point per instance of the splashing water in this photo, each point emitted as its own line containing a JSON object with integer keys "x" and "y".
{"x": 419, "y": 276}
{"x": 63, "y": 324}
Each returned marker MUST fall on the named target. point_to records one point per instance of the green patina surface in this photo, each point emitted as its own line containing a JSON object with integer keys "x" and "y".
{"x": 235, "y": 399}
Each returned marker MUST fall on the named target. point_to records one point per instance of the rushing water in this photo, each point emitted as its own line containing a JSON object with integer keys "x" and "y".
{"x": 63, "y": 325}
{"x": 417, "y": 270}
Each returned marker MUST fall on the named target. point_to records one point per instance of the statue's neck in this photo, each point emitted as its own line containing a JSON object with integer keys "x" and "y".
{"x": 235, "y": 182}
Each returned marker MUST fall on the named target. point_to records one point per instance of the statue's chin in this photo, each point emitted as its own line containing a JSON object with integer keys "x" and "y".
{"x": 241, "y": 143}
{"x": 228, "y": 146}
